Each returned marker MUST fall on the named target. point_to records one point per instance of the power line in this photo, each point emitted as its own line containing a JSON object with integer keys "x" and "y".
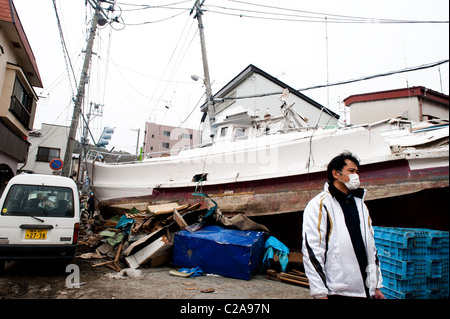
{"x": 370, "y": 77}
{"x": 310, "y": 16}
{"x": 147, "y": 6}
{"x": 67, "y": 60}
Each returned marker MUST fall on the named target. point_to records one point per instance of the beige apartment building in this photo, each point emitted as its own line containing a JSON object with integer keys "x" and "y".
{"x": 164, "y": 140}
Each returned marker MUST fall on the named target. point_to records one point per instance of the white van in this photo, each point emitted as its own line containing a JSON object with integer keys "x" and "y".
{"x": 39, "y": 218}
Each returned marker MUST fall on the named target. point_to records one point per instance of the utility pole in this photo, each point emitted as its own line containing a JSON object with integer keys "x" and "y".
{"x": 80, "y": 95}
{"x": 207, "y": 81}
{"x": 137, "y": 143}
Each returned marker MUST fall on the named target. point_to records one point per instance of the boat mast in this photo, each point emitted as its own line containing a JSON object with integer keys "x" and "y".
{"x": 207, "y": 81}
{"x": 80, "y": 94}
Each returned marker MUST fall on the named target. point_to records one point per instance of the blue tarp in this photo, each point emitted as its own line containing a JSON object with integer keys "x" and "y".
{"x": 274, "y": 246}
{"x": 125, "y": 223}
{"x": 228, "y": 252}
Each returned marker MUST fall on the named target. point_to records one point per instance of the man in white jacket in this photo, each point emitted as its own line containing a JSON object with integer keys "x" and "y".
{"x": 339, "y": 252}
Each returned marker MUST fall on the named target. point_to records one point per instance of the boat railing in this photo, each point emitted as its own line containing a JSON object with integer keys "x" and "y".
{"x": 121, "y": 157}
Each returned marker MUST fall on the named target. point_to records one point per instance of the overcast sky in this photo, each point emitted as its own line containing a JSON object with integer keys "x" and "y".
{"x": 143, "y": 63}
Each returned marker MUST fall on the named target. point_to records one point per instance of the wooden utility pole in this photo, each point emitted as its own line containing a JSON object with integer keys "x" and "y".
{"x": 80, "y": 95}
{"x": 207, "y": 81}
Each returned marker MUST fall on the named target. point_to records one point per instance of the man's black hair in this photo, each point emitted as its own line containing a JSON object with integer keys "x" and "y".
{"x": 338, "y": 163}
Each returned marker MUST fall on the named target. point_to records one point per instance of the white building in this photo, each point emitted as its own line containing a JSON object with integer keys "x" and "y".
{"x": 47, "y": 144}
{"x": 258, "y": 93}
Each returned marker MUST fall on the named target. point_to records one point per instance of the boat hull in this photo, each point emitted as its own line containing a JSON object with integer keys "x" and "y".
{"x": 292, "y": 193}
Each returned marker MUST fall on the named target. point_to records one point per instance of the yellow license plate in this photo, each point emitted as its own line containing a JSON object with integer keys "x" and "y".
{"x": 35, "y": 233}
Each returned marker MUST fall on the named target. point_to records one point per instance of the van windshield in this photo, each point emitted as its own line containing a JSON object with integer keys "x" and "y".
{"x": 38, "y": 200}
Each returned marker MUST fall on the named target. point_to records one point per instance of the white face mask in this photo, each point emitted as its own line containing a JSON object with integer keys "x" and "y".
{"x": 353, "y": 183}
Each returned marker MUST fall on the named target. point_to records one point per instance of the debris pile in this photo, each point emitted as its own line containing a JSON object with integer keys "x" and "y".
{"x": 137, "y": 238}
{"x": 156, "y": 235}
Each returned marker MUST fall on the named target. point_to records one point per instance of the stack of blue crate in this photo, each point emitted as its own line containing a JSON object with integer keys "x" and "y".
{"x": 414, "y": 262}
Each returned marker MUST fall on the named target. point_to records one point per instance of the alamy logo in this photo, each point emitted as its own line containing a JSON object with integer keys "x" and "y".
{"x": 73, "y": 279}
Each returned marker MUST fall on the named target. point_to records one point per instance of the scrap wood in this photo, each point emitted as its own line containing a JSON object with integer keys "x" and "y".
{"x": 191, "y": 207}
{"x": 169, "y": 207}
{"x": 179, "y": 219}
{"x": 293, "y": 277}
{"x": 290, "y": 278}
{"x": 119, "y": 251}
{"x": 110, "y": 263}
{"x": 103, "y": 263}
{"x": 90, "y": 255}
{"x": 114, "y": 266}
{"x": 297, "y": 272}
{"x": 162, "y": 208}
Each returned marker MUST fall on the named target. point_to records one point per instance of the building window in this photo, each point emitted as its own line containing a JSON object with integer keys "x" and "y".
{"x": 21, "y": 103}
{"x": 185, "y": 135}
{"x": 166, "y": 133}
{"x": 46, "y": 154}
{"x": 165, "y": 145}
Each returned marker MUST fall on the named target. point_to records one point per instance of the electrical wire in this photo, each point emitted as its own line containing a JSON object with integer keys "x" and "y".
{"x": 310, "y": 15}
{"x": 147, "y": 6}
{"x": 370, "y": 77}
{"x": 67, "y": 59}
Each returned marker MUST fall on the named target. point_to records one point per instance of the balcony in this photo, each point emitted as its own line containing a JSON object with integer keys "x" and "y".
{"x": 20, "y": 111}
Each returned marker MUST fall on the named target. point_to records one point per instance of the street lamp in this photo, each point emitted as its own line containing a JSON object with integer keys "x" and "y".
{"x": 196, "y": 77}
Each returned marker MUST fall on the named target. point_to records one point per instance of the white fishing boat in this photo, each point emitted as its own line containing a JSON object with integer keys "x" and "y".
{"x": 246, "y": 170}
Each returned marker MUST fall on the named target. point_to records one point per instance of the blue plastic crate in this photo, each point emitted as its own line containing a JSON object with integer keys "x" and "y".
{"x": 438, "y": 239}
{"x": 395, "y": 252}
{"x": 437, "y": 268}
{"x": 392, "y": 237}
{"x": 405, "y": 285}
{"x": 414, "y": 262}
{"x": 399, "y": 269}
{"x": 431, "y": 237}
{"x": 411, "y": 243}
{"x": 393, "y": 294}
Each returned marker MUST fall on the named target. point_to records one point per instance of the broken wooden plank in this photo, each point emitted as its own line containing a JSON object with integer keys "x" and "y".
{"x": 103, "y": 263}
{"x": 119, "y": 251}
{"x": 179, "y": 219}
{"x": 295, "y": 282}
{"x": 297, "y": 272}
{"x": 166, "y": 208}
{"x": 293, "y": 277}
{"x": 288, "y": 278}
